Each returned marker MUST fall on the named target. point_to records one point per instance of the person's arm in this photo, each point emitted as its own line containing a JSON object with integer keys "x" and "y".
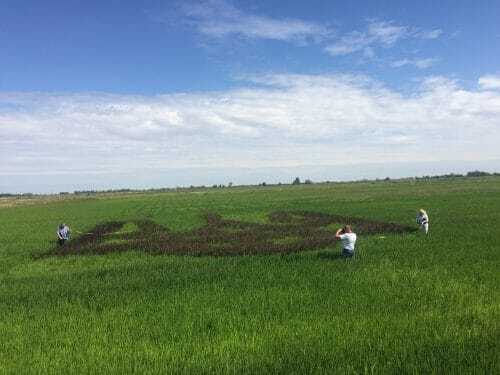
{"x": 59, "y": 235}
{"x": 338, "y": 234}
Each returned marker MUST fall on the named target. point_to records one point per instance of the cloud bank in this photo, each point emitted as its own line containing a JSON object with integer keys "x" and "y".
{"x": 489, "y": 82}
{"x": 281, "y": 120}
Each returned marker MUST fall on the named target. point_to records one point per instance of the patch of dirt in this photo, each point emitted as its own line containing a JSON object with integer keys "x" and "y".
{"x": 286, "y": 232}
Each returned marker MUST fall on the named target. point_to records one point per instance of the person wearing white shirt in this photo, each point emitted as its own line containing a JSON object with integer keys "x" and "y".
{"x": 423, "y": 220}
{"x": 348, "y": 240}
{"x": 63, "y": 234}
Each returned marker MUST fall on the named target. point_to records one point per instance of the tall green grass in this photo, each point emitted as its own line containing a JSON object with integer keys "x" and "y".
{"x": 405, "y": 304}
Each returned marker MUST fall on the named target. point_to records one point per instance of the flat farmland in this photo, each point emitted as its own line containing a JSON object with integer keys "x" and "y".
{"x": 249, "y": 280}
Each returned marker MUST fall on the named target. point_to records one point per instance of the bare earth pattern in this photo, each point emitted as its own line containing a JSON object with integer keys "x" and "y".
{"x": 286, "y": 232}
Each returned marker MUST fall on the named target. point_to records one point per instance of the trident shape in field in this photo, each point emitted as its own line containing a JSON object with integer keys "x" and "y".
{"x": 284, "y": 232}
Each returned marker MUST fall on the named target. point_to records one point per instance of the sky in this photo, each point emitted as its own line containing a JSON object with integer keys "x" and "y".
{"x": 141, "y": 94}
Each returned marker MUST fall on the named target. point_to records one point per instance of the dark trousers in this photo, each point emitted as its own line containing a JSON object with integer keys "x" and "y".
{"x": 347, "y": 253}
{"x": 61, "y": 241}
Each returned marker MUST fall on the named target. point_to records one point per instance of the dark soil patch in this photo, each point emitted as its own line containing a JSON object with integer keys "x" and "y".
{"x": 286, "y": 232}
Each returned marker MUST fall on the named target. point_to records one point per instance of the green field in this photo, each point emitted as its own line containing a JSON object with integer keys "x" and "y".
{"x": 406, "y": 304}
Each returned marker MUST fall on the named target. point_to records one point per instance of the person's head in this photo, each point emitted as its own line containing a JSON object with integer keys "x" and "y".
{"x": 422, "y": 212}
{"x": 61, "y": 226}
{"x": 347, "y": 229}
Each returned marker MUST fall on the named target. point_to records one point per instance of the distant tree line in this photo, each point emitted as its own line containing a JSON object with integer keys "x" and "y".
{"x": 296, "y": 181}
{"x": 9, "y": 195}
{"x": 457, "y": 175}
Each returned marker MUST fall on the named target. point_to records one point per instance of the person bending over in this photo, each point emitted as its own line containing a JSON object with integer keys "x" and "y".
{"x": 348, "y": 240}
{"x": 63, "y": 234}
{"x": 423, "y": 220}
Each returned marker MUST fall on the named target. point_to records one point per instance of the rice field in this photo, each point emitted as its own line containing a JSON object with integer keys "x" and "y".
{"x": 249, "y": 280}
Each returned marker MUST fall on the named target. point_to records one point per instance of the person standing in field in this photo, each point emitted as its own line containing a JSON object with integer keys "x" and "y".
{"x": 423, "y": 220}
{"x": 63, "y": 234}
{"x": 348, "y": 240}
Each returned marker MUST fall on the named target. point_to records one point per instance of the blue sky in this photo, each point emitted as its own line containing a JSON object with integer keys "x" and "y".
{"x": 116, "y": 88}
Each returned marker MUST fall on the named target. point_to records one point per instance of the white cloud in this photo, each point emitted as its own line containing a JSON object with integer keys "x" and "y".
{"x": 386, "y": 32}
{"x": 489, "y": 82}
{"x": 400, "y": 63}
{"x": 218, "y": 19}
{"x": 282, "y": 120}
{"x": 377, "y": 34}
{"x": 418, "y": 63}
{"x": 350, "y": 43}
{"x": 430, "y": 34}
